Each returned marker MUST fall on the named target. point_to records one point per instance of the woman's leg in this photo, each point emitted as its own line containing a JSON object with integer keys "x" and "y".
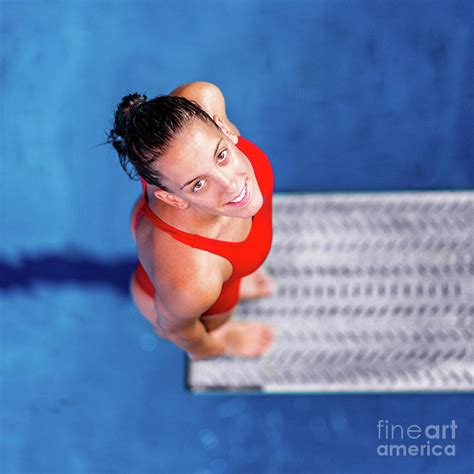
{"x": 256, "y": 285}
{"x": 213, "y": 321}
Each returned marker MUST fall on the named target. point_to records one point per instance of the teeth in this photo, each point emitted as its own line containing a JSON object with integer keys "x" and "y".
{"x": 240, "y": 196}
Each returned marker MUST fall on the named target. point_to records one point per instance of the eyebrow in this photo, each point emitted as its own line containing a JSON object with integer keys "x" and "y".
{"x": 215, "y": 153}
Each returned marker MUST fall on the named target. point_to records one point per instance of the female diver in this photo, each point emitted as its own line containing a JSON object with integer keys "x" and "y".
{"x": 203, "y": 226}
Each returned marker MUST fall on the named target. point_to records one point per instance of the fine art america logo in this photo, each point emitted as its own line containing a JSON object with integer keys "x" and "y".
{"x": 416, "y": 440}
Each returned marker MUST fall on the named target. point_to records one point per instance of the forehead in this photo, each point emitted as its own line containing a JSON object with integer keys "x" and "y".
{"x": 194, "y": 145}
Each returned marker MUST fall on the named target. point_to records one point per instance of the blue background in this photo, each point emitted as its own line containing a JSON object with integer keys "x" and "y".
{"x": 342, "y": 95}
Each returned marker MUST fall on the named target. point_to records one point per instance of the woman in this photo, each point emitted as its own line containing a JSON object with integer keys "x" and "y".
{"x": 203, "y": 224}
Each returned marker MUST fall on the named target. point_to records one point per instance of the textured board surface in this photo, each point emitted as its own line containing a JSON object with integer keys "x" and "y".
{"x": 375, "y": 294}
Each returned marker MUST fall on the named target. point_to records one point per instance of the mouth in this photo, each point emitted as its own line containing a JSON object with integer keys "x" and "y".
{"x": 242, "y": 199}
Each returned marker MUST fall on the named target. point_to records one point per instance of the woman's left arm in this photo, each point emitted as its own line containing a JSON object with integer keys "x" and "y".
{"x": 209, "y": 97}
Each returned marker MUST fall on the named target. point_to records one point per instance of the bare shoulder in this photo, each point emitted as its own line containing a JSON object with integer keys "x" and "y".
{"x": 209, "y": 97}
{"x": 188, "y": 296}
{"x": 187, "y": 280}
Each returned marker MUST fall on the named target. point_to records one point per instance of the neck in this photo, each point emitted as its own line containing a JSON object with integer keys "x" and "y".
{"x": 188, "y": 220}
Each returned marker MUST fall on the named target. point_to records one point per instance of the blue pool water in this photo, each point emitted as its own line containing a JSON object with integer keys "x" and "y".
{"x": 342, "y": 95}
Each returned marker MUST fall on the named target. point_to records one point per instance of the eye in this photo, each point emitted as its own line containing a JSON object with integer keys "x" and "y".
{"x": 222, "y": 155}
{"x": 198, "y": 186}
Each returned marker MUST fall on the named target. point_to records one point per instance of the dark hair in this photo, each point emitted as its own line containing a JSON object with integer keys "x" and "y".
{"x": 143, "y": 130}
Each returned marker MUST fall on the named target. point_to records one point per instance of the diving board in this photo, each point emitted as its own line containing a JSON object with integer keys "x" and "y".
{"x": 375, "y": 294}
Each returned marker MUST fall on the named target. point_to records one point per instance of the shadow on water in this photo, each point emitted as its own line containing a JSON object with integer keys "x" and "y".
{"x": 58, "y": 269}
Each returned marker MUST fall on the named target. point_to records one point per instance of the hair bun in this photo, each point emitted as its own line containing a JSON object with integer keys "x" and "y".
{"x": 125, "y": 110}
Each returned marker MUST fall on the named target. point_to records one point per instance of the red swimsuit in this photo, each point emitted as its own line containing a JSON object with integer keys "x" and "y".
{"x": 245, "y": 256}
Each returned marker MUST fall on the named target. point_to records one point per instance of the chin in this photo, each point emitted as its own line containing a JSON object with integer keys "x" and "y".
{"x": 257, "y": 203}
{"x": 254, "y": 206}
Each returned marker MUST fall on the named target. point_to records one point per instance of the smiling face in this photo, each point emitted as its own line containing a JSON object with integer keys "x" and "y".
{"x": 205, "y": 171}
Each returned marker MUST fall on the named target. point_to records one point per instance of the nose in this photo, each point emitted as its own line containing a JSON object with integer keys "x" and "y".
{"x": 230, "y": 183}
